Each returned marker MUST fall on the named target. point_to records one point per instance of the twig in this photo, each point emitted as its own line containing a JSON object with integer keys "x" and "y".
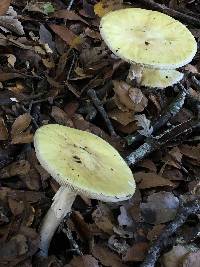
{"x": 70, "y": 4}
{"x": 192, "y": 207}
{"x": 92, "y": 94}
{"x": 74, "y": 245}
{"x": 154, "y": 143}
{"x": 171, "y": 12}
{"x": 196, "y": 83}
{"x": 167, "y": 114}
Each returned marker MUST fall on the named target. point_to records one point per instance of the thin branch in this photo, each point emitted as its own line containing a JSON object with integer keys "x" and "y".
{"x": 73, "y": 244}
{"x": 70, "y": 4}
{"x": 97, "y": 103}
{"x": 192, "y": 207}
{"x": 171, "y": 12}
{"x": 155, "y": 143}
{"x": 167, "y": 114}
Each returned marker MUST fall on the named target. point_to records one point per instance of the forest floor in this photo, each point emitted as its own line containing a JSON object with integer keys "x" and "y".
{"x": 55, "y": 68}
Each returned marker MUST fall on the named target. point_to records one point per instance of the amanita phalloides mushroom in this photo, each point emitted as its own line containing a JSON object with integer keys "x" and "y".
{"x": 150, "y": 39}
{"x": 82, "y": 163}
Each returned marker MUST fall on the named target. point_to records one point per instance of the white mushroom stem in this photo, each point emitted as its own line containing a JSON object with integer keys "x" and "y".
{"x": 62, "y": 203}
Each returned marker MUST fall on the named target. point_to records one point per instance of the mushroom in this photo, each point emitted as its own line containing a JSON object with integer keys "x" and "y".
{"x": 82, "y": 163}
{"x": 150, "y": 39}
{"x": 160, "y": 78}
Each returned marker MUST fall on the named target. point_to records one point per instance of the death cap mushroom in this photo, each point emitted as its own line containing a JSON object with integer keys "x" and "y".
{"x": 148, "y": 37}
{"x": 84, "y": 162}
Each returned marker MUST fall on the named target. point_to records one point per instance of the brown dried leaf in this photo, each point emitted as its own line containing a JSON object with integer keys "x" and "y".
{"x": 16, "y": 207}
{"x": 172, "y": 174}
{"x": 128, "y": 129}
{"x": 67, "y": 15}
{"x": 20, "y": 167}
{"x": 66, "y": 35}
{"x": 30, "y": 196}
{"x": 92, "y": 34}
{"x": 93, "y": 56}
{"x": 150, "y": 180}
{"x": 155, "y": 232}
{"x": 136, "y": 253}
{"x": 174, "y": 158}
{"x": 106, "y": 256}
{"x": 4, "y": 5}
{"x": 81, "y": 227}
{"x": 122, "y": 90}
{"x": 22, "y": 138}
{"x": 16, "y": 247}
{"x": 192, "y": 260}
{"x": 3, "y": 130}
{"x": 61, "y": 117}
{"x": 160, "y": 208}
{"x": 32, "y": 180}
{"x": 174, "y": 257}
{"x": 123, "y": 117}
{"x": 149, "y": 165}
{"x": 71, "y": 107}
{"x": 191, "y": 151}
{"x": 190, "y": 68}
{"x": 20, "y": 124}
{"x": 103, "y": 218}
{"x": 83, "y": 261}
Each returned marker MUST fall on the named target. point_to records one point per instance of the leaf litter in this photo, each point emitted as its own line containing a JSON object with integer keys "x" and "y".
{"x": 51, "y": 55}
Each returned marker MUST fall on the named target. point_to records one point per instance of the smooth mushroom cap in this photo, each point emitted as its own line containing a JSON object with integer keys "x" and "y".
{"x": 84, "y": 162}
{"x": 148, "y": 37}
{"x": 160, "y": 78}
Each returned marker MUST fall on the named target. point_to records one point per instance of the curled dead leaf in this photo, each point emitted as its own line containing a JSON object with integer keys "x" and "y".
{"x": 123, "y": 117}
{"x": 150, "y": 180}
{"x": 106, "y": 256}
{"x": 4, "y": 5}
{"x": 61, "y": 117}
{"x": 20, "y": 124}
{"x": 137, "y": 252}
{"x": 20, "y": 167}
{"x": 103, "y": 218}
{"x": 22, "y": 138}
{"x": 174, "y": 257}
{"x": 125, "y": 95}
{"x": 66, "y": 35}
{"x": 3, "y": 130}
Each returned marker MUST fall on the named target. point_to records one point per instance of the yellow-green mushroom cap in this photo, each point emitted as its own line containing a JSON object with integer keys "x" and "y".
{"x": 160, "y": 78}
{"x": 84, "y": 162}
{"x": 148, "y": 37}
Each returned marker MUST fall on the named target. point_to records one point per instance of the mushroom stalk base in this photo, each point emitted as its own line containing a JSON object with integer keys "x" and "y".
{"x": 62, "y": 203}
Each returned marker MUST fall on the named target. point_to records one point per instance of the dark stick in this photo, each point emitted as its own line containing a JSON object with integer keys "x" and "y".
{"x": 192, "y": 207}
{"x": 171, "y": 12}
{"x": 154, "y": 143}
{"x": 97, "y": 103}
{"x": 167, "y": 114}
{"x": 196, "y": 83}
{"x": 74, "y": 245}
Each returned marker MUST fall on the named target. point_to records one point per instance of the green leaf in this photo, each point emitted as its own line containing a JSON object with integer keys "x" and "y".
{"x": 48, "y": 8}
